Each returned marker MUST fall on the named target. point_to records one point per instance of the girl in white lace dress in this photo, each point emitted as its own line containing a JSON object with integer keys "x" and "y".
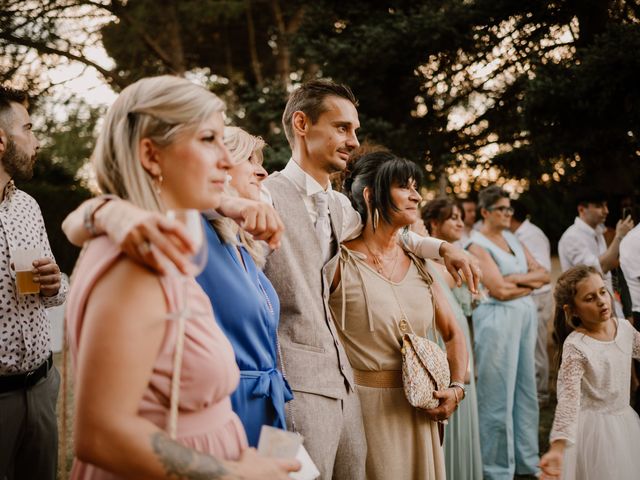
{"x": 595, "y": 434}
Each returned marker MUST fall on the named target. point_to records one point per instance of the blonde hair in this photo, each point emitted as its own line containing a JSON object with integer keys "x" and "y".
{"x": 241, "y": 146}
{"x": 158, "y": 108}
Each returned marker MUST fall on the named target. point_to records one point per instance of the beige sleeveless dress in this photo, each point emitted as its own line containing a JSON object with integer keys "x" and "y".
{"x": 402, "y": 442}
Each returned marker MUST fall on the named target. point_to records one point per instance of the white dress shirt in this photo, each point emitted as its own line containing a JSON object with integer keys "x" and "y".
{"x": 581, "y": 244}
{"x": 423, "y": 247}
{"x": 630, "y": 264}
{"x": 532, "y": 237}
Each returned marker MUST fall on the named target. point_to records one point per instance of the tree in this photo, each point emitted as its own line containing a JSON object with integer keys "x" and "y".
{"x": 524, "y": 89}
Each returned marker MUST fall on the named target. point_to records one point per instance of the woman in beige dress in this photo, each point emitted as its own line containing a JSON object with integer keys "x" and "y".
{"x": 381, "y": 292}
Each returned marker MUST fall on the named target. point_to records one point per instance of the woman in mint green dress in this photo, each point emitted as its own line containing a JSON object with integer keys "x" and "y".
{"x": 443, "y": 219}
{"x": 505, "y": 332}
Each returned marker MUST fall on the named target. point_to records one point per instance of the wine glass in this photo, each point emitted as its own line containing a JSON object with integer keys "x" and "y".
{"x": 192, "y": 223}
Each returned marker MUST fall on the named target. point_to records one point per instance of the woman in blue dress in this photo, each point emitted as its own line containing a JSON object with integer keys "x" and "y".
{"x": 505, "y": 329}
{"x": 244, "y": 301}
{"x": 443, "y": 219}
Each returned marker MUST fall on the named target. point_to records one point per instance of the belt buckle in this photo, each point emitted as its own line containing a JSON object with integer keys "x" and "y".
{"x": 27, "y": 378}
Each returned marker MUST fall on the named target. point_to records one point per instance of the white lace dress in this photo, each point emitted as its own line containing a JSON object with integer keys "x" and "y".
{"x": 593, "y": 413}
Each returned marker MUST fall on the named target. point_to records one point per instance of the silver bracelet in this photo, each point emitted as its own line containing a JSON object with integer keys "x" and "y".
{"x": 461, "y": 386}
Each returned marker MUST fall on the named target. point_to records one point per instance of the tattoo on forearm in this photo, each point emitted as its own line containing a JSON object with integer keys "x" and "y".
{"x": 183, "y": 463}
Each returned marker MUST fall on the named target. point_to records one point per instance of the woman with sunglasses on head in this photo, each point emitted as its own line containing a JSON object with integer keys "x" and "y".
{"x": 505, "y": 329}
{"x": 161, "y": 148}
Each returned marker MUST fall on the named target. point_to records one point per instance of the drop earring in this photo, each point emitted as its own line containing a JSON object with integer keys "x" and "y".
{"x": 376, "y": 219}
{"x": 157, "y": 184}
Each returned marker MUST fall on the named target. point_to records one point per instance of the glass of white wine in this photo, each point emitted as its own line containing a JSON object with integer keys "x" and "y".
{"x": 192, "y": 221}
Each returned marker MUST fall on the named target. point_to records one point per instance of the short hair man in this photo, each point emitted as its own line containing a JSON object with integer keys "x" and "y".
{"x": 584, "y": 243}
{"x": 469, "y": 214}
{"x": 532, "y": 237}
{"x": 28, "y": 380}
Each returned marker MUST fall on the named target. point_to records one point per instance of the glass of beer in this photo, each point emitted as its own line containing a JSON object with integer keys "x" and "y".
{"x": 22, "y": 259}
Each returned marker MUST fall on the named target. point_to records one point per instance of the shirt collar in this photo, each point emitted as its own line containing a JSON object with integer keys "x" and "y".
{"x": 9, "y": 189}
{"x": 523, "y": 226}
{"x": 584, "y": 227}
{"x": 304, "y": 182}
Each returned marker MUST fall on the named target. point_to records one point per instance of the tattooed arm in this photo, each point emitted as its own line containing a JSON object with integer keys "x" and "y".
{"x": 119, "y": 343}
{"x": 181, "y": 462}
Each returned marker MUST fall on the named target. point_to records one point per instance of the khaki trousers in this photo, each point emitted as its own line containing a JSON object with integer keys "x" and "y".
{"x": 333, "y": 433}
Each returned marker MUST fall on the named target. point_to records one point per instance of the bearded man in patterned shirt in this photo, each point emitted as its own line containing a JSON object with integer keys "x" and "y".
{"x": 29, "y": 382}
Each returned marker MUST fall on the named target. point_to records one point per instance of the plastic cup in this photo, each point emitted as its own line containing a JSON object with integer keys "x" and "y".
{"x": 22, "y": 259}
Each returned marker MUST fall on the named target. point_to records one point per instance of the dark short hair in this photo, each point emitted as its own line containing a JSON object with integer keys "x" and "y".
{"x": 8, "y": 96}
{"x": 586, "y": 195}
{"x": 520, "y": 212}
{"x": 490, "y": 195}
{"x": 380, "y": 171}
{"x": 309, "y": 99}
{"x": 440, "y": 210}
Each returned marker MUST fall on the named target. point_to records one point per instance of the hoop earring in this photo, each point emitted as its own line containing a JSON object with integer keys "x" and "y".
{"x": 376, "y": 219}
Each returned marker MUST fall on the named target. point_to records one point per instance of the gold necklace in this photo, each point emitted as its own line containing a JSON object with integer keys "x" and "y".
{"x": 378, "y": 264}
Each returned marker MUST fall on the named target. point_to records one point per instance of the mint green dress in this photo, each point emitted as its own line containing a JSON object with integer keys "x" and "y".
{"x": 462, "y": 455}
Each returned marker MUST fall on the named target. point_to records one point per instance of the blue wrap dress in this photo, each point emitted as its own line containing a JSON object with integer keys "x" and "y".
{"x": 504, "y": 343}
{"x": 247, "y": 309}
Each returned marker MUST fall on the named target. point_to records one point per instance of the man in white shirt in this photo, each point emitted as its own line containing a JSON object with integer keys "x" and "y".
{"x": 584, "y": 243}
{"x": 538, "y": 245}
{"x": 630, "y": 264}
{"x": 469, "y": 208}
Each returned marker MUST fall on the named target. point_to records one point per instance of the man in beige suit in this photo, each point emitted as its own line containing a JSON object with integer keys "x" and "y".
{"x": 320, "y": 122}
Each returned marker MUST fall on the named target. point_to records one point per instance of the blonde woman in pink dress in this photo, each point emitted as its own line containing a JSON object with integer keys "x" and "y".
{"x": 161, "y": 148}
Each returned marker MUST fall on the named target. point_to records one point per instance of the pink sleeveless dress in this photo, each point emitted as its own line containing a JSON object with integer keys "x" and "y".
{"x": 209, "y": 375}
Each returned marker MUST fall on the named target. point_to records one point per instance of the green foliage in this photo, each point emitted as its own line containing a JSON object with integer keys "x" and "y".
{"x": 545, "y": 91}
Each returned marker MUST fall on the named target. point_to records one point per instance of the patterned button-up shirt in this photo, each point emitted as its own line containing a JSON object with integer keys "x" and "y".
{"x": 25, "y": 337}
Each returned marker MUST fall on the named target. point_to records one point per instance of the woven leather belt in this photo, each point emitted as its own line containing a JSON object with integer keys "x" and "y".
{"x": 378, "y": 379}
{"x": 22, "y": 381}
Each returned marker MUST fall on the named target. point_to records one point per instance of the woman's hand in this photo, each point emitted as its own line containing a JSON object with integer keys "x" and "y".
{"x": 252, "y": 466}
{"x": 259, "y": 219}
{"x": 551, "y": 465}
{"x": 136, "y": 231}
{"x": 551, "y": 462}
{"x": 461, "y": 266}
{"x": 448, "y": 405}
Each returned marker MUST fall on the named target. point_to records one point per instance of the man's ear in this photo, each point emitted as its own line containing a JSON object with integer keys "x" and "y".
{"x": 300, "y": 123}
{"x": 150, "y": 157}
{"x": 4, "y": 140}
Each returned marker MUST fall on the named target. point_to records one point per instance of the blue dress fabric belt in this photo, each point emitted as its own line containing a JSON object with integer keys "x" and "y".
{"x": 271, "y": 384}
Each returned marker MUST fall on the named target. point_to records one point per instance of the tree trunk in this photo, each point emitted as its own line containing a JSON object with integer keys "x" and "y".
{"x": 253, "y": 51}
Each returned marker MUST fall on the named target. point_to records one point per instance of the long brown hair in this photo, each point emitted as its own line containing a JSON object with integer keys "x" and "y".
{"x": 564, "y": 294}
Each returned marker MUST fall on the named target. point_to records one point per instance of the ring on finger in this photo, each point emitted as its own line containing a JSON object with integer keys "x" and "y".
{"x": 144, "y": 248}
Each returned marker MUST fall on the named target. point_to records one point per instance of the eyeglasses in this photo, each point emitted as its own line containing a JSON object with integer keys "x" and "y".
{"x": 502, "y": 209}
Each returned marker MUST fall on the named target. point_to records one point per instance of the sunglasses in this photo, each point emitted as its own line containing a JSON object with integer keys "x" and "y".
{"x": 502, "y": 209}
